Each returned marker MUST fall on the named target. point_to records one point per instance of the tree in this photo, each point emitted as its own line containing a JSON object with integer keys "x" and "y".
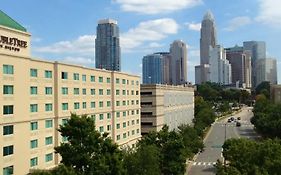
{"x": 87, "y": 151}
{"x": 59, "y": 170}
{"x": 263, "y": 88}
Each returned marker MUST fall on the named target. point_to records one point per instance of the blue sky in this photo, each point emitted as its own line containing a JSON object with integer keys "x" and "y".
{"x": 65, "y": 30}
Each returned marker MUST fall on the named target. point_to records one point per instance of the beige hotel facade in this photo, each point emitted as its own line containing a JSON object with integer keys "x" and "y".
{"x": 37, "y": 96}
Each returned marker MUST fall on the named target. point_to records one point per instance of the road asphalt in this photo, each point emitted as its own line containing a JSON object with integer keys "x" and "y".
{"x": 219, "y": 132}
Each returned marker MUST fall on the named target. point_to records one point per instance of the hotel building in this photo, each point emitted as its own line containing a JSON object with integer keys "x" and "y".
{"x": 37, "y": 96}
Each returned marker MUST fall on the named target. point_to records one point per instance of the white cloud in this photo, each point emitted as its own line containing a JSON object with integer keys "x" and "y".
{"x": 148, "y": 31}
{"x": 194, "y": 26}
{"x": 238, "y": 22}
{"x": 156, "y": 6}
{"x": 84, "y": 45}
{"x": 269, "y": 12}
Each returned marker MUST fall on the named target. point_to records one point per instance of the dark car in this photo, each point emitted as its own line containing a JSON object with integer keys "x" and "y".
{"x": 238, "y": 124}
{"x": 238, "y": 118}
{"x": 229, "y": 120}
{"x": 232, "y": 118}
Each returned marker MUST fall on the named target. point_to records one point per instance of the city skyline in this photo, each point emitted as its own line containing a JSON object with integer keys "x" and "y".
{"x": 145, "y": 28}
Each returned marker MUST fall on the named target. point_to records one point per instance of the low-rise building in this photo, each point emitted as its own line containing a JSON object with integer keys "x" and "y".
{"x": 166, "y": 105}
{"x": 275, "y": 93}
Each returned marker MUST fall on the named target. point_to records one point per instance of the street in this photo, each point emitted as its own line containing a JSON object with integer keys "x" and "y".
{"x": 219, "y": 132}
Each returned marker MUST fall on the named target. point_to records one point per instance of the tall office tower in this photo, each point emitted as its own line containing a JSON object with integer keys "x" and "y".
{"x": 266, "y": 70}
{"x": 208, "y": 40}
{"x": 257, "y": 49}
{"x": 107, "y": 45}
{"x": 241, "y": 67}
{"x": 166, "y": 56}
{"x": 178, "y": 66}
{"x": 220, "y": 68}
{"x": 152, "y": 69}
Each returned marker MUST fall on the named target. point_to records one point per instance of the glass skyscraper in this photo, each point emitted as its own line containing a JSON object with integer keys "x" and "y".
{"x": 108, "y": 45}
{"x": 152, "y": 69}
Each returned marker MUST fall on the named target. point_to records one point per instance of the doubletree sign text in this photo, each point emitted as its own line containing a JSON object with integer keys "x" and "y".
{"x": 13, "y": 44}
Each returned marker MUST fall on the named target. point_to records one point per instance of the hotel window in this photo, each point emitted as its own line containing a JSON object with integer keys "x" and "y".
{"x": 133, "y": 122}
{"x": 128, "y": 92}
{"x": 84, "y": 78}
{"x": 8, "y": 69}
{"x": 64, "y": 75}
{"x": 138, "y": 130}
{"x": 84, "y": 91}
{"x": 123, "y": 81}
{"x": 33, "y": 144}
{"x": 49, "y": 140}
{"x": 76, "y": 91}
{"x": 137, "y": 92}
{"x": 108, "y": 80}
{"x": 8, "y": 89}
{"x": 117, "y": 92}
{"x": 124, "y": 103}
{"x": 133, "y": 132}
{"x": 93, "y": 116}
{"x": 64, "y": 106}
{"x": 137, "y": 102}
{"x": 101, "y": 129}
{"x": 8, "y": 130}
{"x": 84, "y": 105}
{"x": 33, "y": 90}
{"x": 108, "y": 116}
{"x": 124, "y": 124}
{"x": 132, "y": 102}
{"x": 33, "y": 72}
{"x": 64, "y": 121}
{"x": 124, "y": 135}
{"x": 118, "y": 125}
{"x": 108, "y": 92}
{"x": 127, "y": 82}
{"x": 101, "y": 116}
{"x": 93, "y": 78}
{"x": 93, "y": 104}
{"x": 108, "y": 127}
{"x": 108, "y": 103}
{"x": 128, "y": 123}
{"x": 75, "y": 76}
{"x": 49, "y": 157}
{"x": 137, "y": 82}
{"x": 48, "y": 107}
{"x": 48, "y": 123}
{"x": 132, "y": 92}
{"x": 117, "y": 103}
{"x": 33, "y": 126}
{"x": 64, "y": 90}
{"x": 48, "y": 74}
{"x": 100, "y": 91}
{"x": 123, "y": 92}
{"x": 117, "y": 114}
{"x": 34, "y": 108}
{"x": 100, "y": 104}
{"x": 138, "y": 121}
{"x": 117, "y": 80}
{"x": 137, "y": 111}
{"x": 128, "y": 133}
{"x": 48, "y": 90}
{"x": 76, "y": 105}
{"x": 8, "y": 170}
{"x": 118, "y": 137}
{"x": 124, "y": 114}
{"x": 100, "y": 79}
{"x": 93, "y": 91}
{"x": 33, "y": 162}
{"x": 128, "y": 102}
{"x": 8, "y": 150}
{"x": 132, "y": 82}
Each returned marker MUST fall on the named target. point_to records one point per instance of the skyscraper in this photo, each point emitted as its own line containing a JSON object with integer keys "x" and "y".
{"x": 240, "y": 61}
{"x": 153, "y": 69}
{"x": 220, "y": 69}
{"x": 208, "y": 37}
{"x": 257, "y": 49}
{"x": 178, "y": 67}
{"x": 107, "y": 45}
{"x": 266, "y": 70}
{"x": 208, "y": 40}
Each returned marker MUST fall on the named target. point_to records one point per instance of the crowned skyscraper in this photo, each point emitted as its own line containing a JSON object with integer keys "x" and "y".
{"x": 208, "y": 40}
{"x": 108, "y": 46}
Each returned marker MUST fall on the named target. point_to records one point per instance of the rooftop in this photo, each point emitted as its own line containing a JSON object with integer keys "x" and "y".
{"x": 7, "y": 21}
{"x": 209, "y": 16}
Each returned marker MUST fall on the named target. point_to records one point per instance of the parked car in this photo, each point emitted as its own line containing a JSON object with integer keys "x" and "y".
{"x": 229, "y": 120}
{"x": 238, "y": 118}
{"x": 238, "y": 124}
{"x": 232, "y": 118}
